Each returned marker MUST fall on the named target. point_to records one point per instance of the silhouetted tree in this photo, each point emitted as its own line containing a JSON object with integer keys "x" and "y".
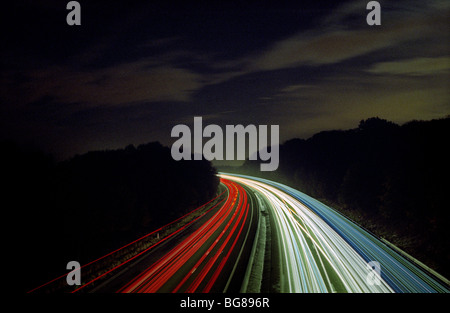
{"x": 396, "y": 177}
{"x": 93, "y": 203}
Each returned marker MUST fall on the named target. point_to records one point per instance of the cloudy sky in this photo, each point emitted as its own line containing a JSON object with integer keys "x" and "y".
{"x": 134, "y": 69}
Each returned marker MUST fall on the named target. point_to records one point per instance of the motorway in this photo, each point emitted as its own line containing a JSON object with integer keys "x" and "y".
{"x": 322, "y": 251}
{"x": 263, "y": 236}
{"x": 208, "y": 256}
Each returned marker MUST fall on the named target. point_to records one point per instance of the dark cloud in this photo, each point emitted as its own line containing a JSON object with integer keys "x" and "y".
{"x": 135, "y": 69}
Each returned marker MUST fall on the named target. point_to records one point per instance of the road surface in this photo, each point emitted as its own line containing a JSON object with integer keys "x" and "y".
{"x": 322, "y": 251}
{"x": 263, "y": 236}
{"x": 209, "y": 256}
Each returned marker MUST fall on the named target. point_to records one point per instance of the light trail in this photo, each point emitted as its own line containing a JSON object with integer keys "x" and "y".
{"x": 322, "y": 251}
{"x": 137, "y": 241}
{"x": 313, "y": 248}
{"x": 202, "y": 255}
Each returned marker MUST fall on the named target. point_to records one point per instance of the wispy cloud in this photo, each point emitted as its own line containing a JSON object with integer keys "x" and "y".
{"x": 414, "y": 67}
{"x": 119, "y": 85}
{"x": 333, "y": 46}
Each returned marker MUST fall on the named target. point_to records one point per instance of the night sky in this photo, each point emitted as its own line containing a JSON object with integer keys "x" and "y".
{"x": 135, "y": 69}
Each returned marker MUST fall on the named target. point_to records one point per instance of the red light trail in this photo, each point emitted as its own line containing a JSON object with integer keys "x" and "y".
{"x": 203, "y": 253}
{"x": 57, "y": 279}
{"x": 194, "y": 262}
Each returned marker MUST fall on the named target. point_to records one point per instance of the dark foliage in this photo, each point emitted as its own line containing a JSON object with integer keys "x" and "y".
{"x": 87, "y": 206}
{"x": 393, "y": 179}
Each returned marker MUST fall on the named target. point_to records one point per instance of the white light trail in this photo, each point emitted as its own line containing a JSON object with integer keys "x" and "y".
{"x": 312, "y": 250}
{"x": 323, "y": 251}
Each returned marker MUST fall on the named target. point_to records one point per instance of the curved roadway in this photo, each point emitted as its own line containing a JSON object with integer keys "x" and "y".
{"x": 263, "y": 236}
{"x": 322, "y": 251}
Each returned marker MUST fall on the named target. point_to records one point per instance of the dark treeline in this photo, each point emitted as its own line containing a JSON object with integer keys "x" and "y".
{"x": 393, "y": 180}
{"x": 89, "y": 205}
